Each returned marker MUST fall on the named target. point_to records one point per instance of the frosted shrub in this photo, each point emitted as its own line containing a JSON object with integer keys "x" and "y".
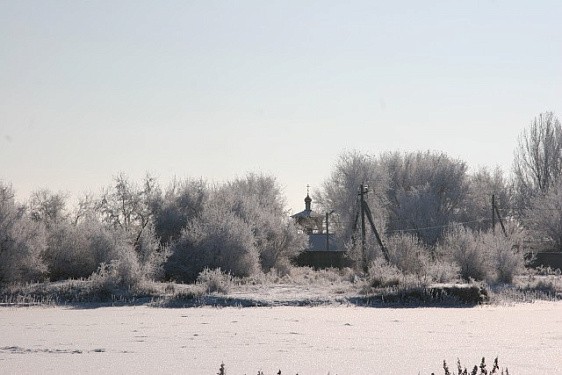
{"x": 151, "y": 254}
{"x": 282, "y": 268}
{"x": 383, "y": 274}
{"x": 466, "y": 249}
{"x": 485, "y": 256}
{"x": 506, "y": 258}
{"x": 308, "y": 275}
{"x": 242, "y": 230}
{"x": 124, "y": 271}
{"x": 356, "y": 257}
{"x": 440, "y": 271}
{"x": 408, "y": 254}
{"x": 215, "y": 281}
{"x": 77, "y": 251}
{"x": 128, "y": 270}
{"x": 218, "y": 239}
{"x": 328, "y": 275}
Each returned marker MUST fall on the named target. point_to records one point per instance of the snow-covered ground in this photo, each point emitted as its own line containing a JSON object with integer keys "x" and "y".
{"x": 308, "y": 340}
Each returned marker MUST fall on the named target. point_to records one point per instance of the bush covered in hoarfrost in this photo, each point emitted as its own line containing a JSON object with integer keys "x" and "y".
{"x": 215, "y": 281}
{"x": 219, "y": 239}
{"x": 483, "y": 255}
{"x": 383, "y": 274}
{"x": 408, "y": 254}
{"x": 122, "y": 272}
{"x": 242, "y": 230}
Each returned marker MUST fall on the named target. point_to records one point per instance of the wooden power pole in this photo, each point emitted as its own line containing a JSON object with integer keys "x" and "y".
{"x": 496, "y": 213}
{"x": 362, "y": 191}
{"x": 365, "y": 212}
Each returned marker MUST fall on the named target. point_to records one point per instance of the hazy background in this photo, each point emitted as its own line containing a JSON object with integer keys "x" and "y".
{"x": 215, "y": 89}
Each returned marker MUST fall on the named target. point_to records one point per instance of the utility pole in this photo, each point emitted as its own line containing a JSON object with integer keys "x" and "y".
{"x": 376, "y": 232}
{"x": 365, "y": 211}
{"x": 363, "y": 189}
{"x": 327, "y": 232}
{"x": 328, "y": 229}
{"x": 496, "y": 212}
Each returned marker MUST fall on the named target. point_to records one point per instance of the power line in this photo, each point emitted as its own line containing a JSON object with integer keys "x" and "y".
{"x": 439, "y": 226}
{"x": 520, "y": 217}
{"x": 529, "y": 209}
{"x": 456, "y": 223}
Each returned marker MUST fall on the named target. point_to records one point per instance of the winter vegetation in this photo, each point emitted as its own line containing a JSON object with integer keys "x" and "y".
{"x": 436, "y": 220}
{"x": 476, "y": 370}
{"x": 448, "y": 237}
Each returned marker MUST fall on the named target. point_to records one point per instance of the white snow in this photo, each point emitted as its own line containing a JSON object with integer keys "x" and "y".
{"x": 308, "y": 340}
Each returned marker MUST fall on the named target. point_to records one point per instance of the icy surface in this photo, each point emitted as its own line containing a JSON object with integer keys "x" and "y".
{"x": 308, "y": 340}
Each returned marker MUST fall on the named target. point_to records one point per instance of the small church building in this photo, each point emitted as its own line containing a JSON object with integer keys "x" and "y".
{"x": 324, "y": 250}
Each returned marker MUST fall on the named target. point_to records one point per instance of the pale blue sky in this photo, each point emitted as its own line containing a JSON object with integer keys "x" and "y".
{"x": 216, "y": 89}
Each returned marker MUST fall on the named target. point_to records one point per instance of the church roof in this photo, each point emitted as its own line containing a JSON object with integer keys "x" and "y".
{"x": 304, "y": 214}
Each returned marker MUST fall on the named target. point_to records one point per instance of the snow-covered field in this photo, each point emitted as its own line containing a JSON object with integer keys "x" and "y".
{"x": 308, "y": 340}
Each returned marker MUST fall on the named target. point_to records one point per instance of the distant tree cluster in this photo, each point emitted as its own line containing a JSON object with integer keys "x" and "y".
{"x": 430, "y": 209}
{"x": 141, "y": 232}
{"x": 434, "y": 217}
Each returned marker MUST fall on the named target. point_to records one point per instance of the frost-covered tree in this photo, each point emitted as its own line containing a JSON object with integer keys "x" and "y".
{"x": 22, "y": 241}
{"x": 118, "y": 226}
{"x": 68, "y": 252}
{"x": 537, "y": 179}
{"x": 417, "y": 193}
{"x": 538, "y": 158}
{"x": 340, "y": 192}
{"x": 128, "y": 207}
{"x": 77, "y": 250}
{"x": 544, "y": 217}
{"x": 47, "y": 207}
{"x": 477, "y": 211}
{"x": 86, "y": 208}
{"x": 427, "y": 191}
{"x": 264, "y": 190}
{"x": 130, "y": 210}
{"x": 258, "y": 200}
{"x": 182, "y": 201}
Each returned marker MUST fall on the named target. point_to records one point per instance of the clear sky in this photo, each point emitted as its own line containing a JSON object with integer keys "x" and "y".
{"x": 216, "y": 89}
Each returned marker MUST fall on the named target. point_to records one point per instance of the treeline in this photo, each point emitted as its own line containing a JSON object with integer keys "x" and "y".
{"x": 139, "y": 231}
{"x": 431, "y": 210}
{"x": 435, "y": 219}
{"x": 423, "y": 193}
